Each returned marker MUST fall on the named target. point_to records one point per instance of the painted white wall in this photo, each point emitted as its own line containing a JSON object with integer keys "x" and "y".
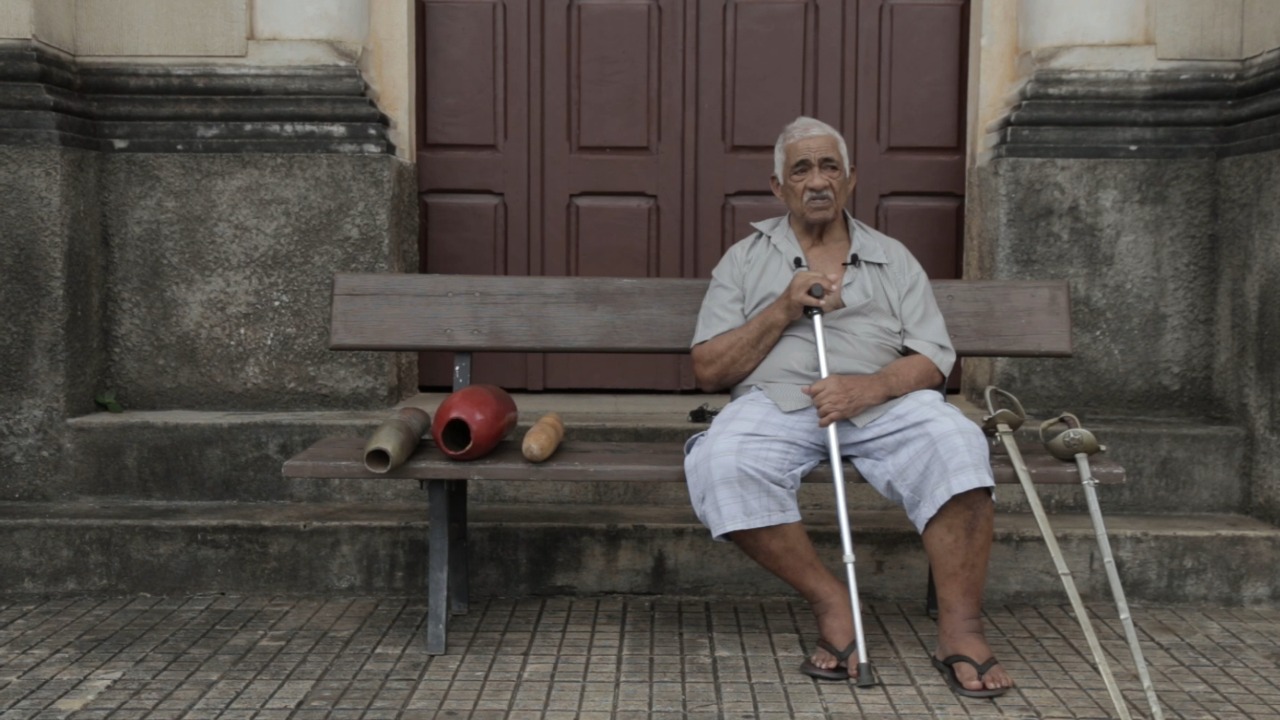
{"x": 1261, "y": 26}
{"x": 161, "y": 27}
{"x": 994, "y": 71}
{"x": 388, "y": 64}
{"x": 1199, "y": 29}
{"x": 54, "y": 22}
{"x": 1055, "y": 23}
{"x": 15, "y": 19}
{"x": 338, "y": 20}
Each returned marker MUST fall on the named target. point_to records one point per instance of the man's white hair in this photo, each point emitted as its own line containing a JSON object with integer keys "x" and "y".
{"x": 800, "y": 128}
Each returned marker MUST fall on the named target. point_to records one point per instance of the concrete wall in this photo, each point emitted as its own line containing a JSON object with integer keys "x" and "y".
{"x": 52, "y": 285}
{"x": 1247, "y": 370}
{"x": 220, "y": 273}
{"x": 1137, "y": 240}
{"x": 188, "y": 282}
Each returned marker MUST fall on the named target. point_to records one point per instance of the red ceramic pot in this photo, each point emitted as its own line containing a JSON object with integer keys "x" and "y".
{"x": 472, "y": 421}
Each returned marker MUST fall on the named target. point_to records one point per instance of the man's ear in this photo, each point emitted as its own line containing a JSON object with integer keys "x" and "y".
{"x": 775, "y": 186}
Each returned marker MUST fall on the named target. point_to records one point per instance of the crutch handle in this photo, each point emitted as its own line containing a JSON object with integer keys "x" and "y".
{"x": 816, "y": 291}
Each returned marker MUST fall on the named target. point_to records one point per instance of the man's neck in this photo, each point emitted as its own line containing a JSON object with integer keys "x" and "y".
{"x": 832, "y": 234}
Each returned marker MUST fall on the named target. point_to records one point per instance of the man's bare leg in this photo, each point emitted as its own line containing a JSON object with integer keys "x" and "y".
{"x": 958, "y": 543}
{"x": 786, "y": 551}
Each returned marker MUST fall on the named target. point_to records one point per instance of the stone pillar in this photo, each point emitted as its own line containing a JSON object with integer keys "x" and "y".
{"x": 52, "y": 286}
{"x": 1246, "y": 368}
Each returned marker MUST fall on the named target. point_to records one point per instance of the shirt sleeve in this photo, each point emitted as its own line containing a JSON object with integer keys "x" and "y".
{"x": 724, "y": 306}
{"x": 923, "y": 329}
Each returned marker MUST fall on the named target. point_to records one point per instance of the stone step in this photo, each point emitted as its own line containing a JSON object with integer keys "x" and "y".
{"x": 179, "y": 456}
{"x": 529, "y": 549}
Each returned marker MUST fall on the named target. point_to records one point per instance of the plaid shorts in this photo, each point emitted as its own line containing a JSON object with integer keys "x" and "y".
{"x": 744, "y": 471}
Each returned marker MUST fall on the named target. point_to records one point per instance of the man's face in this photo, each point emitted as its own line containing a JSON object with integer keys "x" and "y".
{"x": 816, "y": 186}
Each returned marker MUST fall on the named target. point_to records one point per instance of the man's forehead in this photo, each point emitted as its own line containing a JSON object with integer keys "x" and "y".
{"x": 819, "y": 147}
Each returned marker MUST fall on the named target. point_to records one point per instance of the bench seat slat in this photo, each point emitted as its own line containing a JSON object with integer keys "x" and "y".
{"x": 342, "y": 458}
{"x": 641, "y": 315}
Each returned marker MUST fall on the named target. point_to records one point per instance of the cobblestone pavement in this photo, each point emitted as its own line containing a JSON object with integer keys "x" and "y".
{"x": 595, "y": 657}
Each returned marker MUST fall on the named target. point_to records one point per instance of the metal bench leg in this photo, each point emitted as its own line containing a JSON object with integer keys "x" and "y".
{"x": 438, "y": 580}
{"x": 458, "y": 578}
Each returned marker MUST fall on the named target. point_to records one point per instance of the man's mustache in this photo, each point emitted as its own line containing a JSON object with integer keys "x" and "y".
{"x": 811, "y": 196}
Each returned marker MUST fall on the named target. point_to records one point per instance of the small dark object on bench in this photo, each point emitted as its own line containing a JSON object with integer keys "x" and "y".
{"x": 578, "y": 314}
{"x": 704, "y": 413}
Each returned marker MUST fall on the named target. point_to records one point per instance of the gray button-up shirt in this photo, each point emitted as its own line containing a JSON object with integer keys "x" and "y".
{"x": 889, "y": 309}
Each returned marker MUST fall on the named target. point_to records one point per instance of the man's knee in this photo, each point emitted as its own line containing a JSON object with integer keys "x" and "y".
{"x": 971, "y": 512}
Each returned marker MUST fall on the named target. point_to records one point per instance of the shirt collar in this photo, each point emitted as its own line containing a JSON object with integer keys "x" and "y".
{"x": 862, "y": 242}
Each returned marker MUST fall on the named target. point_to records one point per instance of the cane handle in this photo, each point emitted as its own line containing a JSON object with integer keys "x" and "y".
{"x": 816, "y": 291}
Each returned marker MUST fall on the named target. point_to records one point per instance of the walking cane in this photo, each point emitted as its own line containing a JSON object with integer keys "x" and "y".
{"x": 1004, "y": 422}
{"x": 1076, "y": 443}
{"x": 866, "y": 676}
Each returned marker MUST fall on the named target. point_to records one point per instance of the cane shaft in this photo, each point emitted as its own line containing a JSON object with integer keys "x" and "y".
{"x": 1068, "y": 582}
{"x": 1117, "y": 590}
{"x": 865, "y": 676}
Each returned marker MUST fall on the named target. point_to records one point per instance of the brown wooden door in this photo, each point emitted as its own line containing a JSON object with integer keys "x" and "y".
{"x": 634, "y": 138}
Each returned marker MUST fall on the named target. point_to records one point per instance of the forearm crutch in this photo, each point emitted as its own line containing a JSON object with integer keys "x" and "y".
{"x": 866, "y": 676}
{"x": 1076, "y": 443}
{"x": 1003, "y": 422}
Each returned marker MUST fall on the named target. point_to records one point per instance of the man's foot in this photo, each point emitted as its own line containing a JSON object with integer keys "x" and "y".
{"x": 835, "y": 630}
{"x": 973, "y": 672}
{"x": 948, "y": 667}
{"x": 841, "y": 669}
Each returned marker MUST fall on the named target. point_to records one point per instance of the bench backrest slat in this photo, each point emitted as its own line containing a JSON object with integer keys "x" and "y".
{"x": 563, "y": 314}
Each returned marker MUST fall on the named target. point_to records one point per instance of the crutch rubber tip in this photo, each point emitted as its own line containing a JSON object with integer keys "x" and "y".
{"x": 866, "y": 676}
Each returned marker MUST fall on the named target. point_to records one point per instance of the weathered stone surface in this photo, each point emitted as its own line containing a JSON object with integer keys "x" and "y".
{"x": 1137, "y": 241}
{"x": 221, "y": 269}
{"x": 1209, "y": 112}
{"x": 52, "y": 281}
{"x": 48, "y": 100}
{"x": 1247, "y": 358}
{"x": 188, "y": 548}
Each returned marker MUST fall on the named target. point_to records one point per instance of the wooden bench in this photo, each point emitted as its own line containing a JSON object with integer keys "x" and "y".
{"x": 465, "y": 314}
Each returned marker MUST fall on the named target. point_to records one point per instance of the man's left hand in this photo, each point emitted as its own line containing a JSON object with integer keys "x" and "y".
{"x": 840, "y": 397}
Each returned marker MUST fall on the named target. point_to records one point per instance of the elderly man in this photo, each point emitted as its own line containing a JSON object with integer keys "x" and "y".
{"x": 888, "y": 352}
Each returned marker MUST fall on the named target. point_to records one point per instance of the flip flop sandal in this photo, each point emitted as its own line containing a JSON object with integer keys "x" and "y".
{"x": 948, "y": 670}
{"x": 839, "y": 672}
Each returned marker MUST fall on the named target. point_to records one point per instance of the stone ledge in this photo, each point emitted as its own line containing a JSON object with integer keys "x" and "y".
{"x": 179, "y": 455}
{"x": 1160, "y": 114}
{"x": 48, "y": 100}
{"x": 161, "y": 548}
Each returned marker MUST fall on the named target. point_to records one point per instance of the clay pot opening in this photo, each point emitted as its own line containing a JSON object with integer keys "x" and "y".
{"x": 378, "y": 460}
{"x": 456, "y": 436}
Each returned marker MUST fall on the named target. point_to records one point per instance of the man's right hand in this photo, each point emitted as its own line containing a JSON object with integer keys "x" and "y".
{"x": 797, "y": 297}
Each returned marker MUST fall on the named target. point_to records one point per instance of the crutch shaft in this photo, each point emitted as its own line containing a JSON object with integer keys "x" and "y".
{"x": 1117, "y": 590}
{"x": 1068, "y": 582}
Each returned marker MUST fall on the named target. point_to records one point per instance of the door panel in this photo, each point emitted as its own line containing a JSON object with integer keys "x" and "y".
{"x": 474, "y": 155}
{"x": 613, "y": 152}
{"x": 634, "y": 138}
{"x": 910, "y": 131}
{"x": 768, "y": 61}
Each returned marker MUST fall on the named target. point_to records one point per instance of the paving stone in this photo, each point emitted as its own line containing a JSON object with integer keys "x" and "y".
{"x": 226, "y": 657}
